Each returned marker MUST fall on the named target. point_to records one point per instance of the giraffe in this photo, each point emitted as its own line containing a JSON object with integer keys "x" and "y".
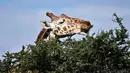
{"x": 62, "y": 26}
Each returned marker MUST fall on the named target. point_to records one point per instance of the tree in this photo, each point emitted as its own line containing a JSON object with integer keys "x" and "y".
{"x": 105, "y": 52}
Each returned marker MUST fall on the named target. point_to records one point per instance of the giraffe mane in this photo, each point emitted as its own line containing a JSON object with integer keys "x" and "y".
{"x": 64, "y": 16}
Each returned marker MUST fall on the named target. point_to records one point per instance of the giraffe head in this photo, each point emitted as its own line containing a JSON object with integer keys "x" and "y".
{"x": 64, "y": 24}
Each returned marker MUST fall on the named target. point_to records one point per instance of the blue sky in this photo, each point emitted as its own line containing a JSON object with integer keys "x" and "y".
{"x": 20, "y": 19}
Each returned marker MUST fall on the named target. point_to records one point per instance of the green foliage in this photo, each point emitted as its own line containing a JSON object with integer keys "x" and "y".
{"x": 106, "y": 52}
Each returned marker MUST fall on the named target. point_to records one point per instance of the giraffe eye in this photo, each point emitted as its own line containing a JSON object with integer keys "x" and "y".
{"x": 61, "y": 22}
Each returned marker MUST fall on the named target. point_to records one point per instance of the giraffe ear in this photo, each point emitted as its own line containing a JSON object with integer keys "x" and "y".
{"x": 43, "y": 23}
{"x": 51, "y": 15}
{"x": 63, "y": 15}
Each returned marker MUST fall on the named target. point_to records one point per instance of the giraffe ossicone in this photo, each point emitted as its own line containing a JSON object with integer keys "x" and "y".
{"x": 64, "y": 25}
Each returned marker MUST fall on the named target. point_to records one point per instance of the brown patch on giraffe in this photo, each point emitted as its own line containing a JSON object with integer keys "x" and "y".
{"x": 72, "y": 25}
{"x": 67, "y": 32}
{"x": 68, "y": 26}
{"x": 61, "y": 32}
{"x": 71, "y": 21}
{"x": 58, "y": 28}
{"x": 76, "y": 21}
{"x": 56, "y": 31}
{"x": 70, "y": 31}
{"x": 64, "y": 28}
